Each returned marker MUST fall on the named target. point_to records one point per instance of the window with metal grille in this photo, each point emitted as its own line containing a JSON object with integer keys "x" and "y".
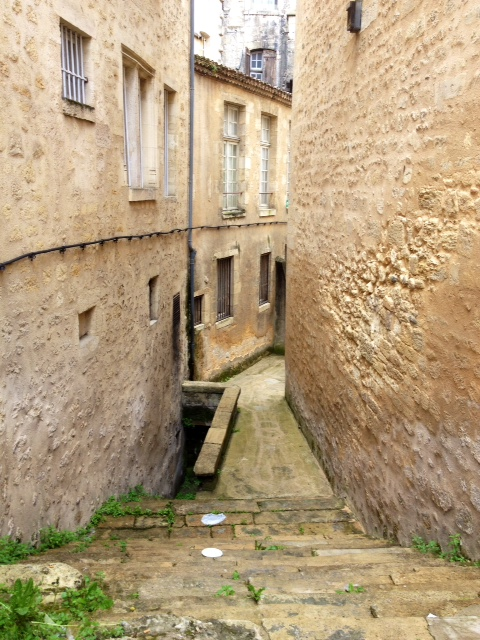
{"x": 265, "y": 162}
{"x": 198, "y": 310}
{"x": 231, "y": 146}
{"x": 264, "y": 290}
{"x": 224, "y": 288}
{"x": 74, "y": 80}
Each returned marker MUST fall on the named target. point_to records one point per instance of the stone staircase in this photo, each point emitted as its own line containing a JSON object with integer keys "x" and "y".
{"x": 304, "y": 552}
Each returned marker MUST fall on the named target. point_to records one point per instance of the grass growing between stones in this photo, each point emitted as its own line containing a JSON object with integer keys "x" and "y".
{"x": 24, "y": 616}
{"x": 13, "y": 551}
{"x": 454, "y": 552}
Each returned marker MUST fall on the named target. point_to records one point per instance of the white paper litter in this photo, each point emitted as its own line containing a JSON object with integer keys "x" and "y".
{"x": 430, "y": 615}
{"x": 213, "y": 518}
{"x": 211, "y": 552}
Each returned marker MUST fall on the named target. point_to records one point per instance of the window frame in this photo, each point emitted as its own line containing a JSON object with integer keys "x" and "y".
{"x": 73, "y": 56}
{"x": 264, "y": 279}
{"x": 265, "y": 161}
{"x": 169, "y": 174}
{"x": 256, "y": 64}
{"x": 231, "y": 158}
{"x": 140, "y": 126}
{"x": 198, "y": 310}
{"x": 225, "y": 268}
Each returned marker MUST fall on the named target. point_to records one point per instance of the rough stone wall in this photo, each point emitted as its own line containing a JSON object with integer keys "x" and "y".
{"x": 222, "y": 345}
{"x": 249, "y": 24}
{"x": 81, "y": 419}
{"x": 383, "y": 323}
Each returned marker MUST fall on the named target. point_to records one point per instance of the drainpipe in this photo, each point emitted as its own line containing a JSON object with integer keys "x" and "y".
{"x": 191, "y": 251}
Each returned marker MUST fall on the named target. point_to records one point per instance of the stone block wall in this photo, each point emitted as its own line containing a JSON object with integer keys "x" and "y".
{"x": 90, "y": 383}
{"x": 383, "y": 324}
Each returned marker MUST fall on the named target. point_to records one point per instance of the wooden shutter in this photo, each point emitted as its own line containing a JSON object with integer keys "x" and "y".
{"x": 247, "y": 62}
{"x": 270, "y": 66}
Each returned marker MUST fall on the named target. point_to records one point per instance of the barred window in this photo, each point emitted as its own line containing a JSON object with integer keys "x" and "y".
{"x": 224, "y": 288}
{"x": 74, "y": 80}
{"x": 264, "y": 292}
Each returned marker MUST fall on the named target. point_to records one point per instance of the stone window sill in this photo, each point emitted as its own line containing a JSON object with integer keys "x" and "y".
{"x": 77, "y": 110}
{"x": 234, "y": 213}
{"x": 224, "y": 323}
{"x": 139, "y": 195}
{"x": 264, "y": 307}
{"x": 263, "y": 213}
{"x": 199, "y": 327}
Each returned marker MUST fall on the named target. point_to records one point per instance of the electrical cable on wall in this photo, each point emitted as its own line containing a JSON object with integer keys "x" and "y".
{"x": 31, "y": 255}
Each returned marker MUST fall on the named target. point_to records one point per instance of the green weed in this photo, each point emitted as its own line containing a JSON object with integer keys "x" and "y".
{"x": 24, "y": 617}
{"x": 236, "y": 575}
{"x": 453, "y": 553}
{"x": 352, "y": 588}
{"x": 226, "y": 590}
{"x": 12, "y": 551}
{"x": 255, "y": 594}
{"x": 260, "y": 546}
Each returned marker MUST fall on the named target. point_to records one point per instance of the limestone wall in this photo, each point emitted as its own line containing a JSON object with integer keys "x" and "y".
{"x": 254, "y": 24}
{"x": 383, "y": 321}
{"x": 82, "y": 418}
{"x": 250, "y": 330}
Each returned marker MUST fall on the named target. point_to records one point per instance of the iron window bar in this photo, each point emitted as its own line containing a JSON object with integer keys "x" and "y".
{"x": 73, "y": 75}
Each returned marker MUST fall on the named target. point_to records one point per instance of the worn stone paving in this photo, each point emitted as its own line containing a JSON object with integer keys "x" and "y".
{"x": 296, "y": 540}
{"x": 268, "y": 455}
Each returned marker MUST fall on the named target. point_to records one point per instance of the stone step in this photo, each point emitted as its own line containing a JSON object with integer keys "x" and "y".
{"x": 193, "y": 598}
{"x": 318, "y": 627}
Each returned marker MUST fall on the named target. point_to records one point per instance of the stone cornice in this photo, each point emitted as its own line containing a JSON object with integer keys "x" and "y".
{"x": 206, "y": 67}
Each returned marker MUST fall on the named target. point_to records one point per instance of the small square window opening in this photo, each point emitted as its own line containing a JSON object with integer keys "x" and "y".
{"x": 85, "y": 321}
{"x": 153, "y": 299}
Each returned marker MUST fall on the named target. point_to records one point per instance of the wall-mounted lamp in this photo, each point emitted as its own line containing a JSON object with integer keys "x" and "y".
{"x": 354, "y": 16}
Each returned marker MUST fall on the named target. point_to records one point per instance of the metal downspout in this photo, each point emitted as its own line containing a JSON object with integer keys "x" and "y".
{"x": 191, "y": 250}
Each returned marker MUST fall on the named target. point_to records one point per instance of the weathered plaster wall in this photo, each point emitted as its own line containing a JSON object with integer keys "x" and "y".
{"x": 255, "y": 25}
{"x": 82, "y": 419}
{"x": 221, "y": 345}
{"x": 383, "y": 321}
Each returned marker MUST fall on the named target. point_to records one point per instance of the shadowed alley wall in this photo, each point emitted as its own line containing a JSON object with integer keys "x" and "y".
{"x": 90, "y": 383}
{"x": 383, "y": 323}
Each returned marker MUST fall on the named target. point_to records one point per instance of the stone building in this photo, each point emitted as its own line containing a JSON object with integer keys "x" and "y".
{"x": 383, "y": 321}
{"x": 255, "y": 37}
{"x": 240, "y": 200}
{"x": 93, "y": 145}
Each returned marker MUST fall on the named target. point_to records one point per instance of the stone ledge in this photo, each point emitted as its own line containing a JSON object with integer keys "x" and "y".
{"x": 218, "y": 435}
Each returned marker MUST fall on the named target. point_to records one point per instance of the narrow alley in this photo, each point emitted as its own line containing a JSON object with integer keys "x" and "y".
{"x": 295, "y": 563}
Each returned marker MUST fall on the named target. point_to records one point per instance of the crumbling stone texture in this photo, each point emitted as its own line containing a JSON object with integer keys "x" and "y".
{"x": 383, "y": 286}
